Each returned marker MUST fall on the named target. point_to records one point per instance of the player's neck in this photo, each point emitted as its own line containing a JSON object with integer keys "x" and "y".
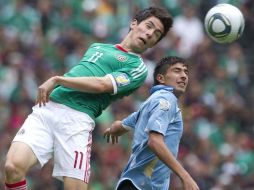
{"x": 125, "y": 45}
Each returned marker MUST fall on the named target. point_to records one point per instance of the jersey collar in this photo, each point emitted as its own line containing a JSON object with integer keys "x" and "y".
{"x": 118, "y": 46}
{"x": 161, "y": 87}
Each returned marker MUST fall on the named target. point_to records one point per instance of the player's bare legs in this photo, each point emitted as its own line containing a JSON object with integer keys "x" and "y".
{"x": 74, "y": 184}
{"x": 20, "y": 159}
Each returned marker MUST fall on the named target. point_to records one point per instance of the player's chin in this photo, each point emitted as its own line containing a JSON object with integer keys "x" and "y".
{"x": 140, "y": 49}
{"x": 180, "y": 90}
{"x": 142, "y": 46}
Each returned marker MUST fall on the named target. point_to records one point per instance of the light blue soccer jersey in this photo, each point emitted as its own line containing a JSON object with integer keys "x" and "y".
{"x": 158, "y": 113}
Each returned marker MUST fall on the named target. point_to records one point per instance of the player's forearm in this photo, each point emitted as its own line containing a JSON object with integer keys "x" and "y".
{"x": 86, "y": 84}
{"x": 164, "y": 154}
{"x": 118, "y": 129}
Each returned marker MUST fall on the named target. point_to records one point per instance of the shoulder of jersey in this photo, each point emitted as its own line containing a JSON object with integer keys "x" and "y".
{"x": 96, "y": 45}
{"x": 99, "y": 45}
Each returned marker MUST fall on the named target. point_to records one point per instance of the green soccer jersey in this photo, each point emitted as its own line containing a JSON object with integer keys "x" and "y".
{"x": 126, "y": 70}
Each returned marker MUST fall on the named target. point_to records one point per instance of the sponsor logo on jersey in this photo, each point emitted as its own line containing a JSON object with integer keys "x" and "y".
{"x": 164, "y": 105}
{"x": 122, "y": 80}
{"x": 121, "y": 58}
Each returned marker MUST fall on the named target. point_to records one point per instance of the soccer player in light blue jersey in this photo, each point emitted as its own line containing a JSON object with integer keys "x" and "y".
{"x": 62, "y": 122}
{"x": 158, "y": 129}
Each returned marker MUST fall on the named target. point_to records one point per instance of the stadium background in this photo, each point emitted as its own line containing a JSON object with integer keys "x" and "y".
{"x": 41, "y": 38}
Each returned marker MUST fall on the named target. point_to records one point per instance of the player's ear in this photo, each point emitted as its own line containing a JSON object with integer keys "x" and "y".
{"x": 134, "y": 23}
{"x": 160, "y": 78}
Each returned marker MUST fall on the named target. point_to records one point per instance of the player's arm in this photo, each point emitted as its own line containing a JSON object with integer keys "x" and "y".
{"x": 114, "y": 132}
{"x": 118, "y": 128}
{"x": 84, "y": 84}
{"x": 158, "y": 146}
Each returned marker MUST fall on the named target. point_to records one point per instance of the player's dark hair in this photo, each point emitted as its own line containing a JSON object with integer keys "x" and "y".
{"x": 163, "y": 65}
{"x": 158, "y": 12}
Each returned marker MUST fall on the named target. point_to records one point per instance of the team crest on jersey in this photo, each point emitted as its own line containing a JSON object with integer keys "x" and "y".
{"x": 164, "y": 105}
{"x": 122, "y": 80}
{"x": 121, "y": 58}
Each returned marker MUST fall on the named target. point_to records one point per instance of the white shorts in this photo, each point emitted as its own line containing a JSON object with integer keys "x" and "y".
{"x": 63, "y": 133}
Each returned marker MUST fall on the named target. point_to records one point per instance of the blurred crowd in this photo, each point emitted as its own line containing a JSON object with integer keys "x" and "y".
{"x": 42, "y": 38}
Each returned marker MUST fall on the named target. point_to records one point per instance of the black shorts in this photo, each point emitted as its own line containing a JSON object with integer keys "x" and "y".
{"x": 126, "y": 185}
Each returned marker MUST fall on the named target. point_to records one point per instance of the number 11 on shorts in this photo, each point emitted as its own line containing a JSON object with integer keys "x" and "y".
{"x": 78, "y": 159}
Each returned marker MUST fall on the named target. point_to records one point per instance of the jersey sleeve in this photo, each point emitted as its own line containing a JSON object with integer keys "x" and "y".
{"x": 130, "y": 121}
{"x": 161, "y": 111}
{"x": 129, "y": 77}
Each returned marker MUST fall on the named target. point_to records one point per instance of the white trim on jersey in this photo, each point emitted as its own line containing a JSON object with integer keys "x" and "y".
{"x": 127, "y": 127}
{"x": 113, "y": 83}
{"x": 139, "y": 71}
{"x": 134, "y": 53}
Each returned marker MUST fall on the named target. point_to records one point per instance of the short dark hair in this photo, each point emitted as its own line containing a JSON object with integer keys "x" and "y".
{"x": 163, "y": 65}
{"x": 158, "y": 12}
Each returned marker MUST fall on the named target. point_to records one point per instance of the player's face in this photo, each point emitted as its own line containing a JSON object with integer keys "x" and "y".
{"x": 145, "y": 34}
{"x": 177, "y": 77}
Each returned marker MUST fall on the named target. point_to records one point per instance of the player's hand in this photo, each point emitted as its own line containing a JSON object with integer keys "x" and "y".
{"x": 109, "y": 134}
{"x": 44, "y": 91}
{"x": 189, "y": 183}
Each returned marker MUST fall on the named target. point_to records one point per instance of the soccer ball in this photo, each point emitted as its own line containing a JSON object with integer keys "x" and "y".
{"x": 224, "y": 23}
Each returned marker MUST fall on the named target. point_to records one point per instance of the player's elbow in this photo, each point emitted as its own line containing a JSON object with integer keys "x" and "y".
{"x": 104, "y": 86}
{"x": 155, "y": 140}
{"x": 101, "y": 88}
{"x": 152, "y": 143}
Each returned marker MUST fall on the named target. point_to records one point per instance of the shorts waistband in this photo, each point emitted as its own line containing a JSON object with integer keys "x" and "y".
{"x": 62, "y": 106}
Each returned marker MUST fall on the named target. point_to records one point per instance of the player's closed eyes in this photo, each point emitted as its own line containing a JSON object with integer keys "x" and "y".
{"x": 148, "y": 26}
{"x": 178, "y": 70}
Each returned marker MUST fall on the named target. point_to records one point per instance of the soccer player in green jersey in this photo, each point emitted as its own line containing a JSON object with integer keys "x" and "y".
{"x": 62, "y": 121}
